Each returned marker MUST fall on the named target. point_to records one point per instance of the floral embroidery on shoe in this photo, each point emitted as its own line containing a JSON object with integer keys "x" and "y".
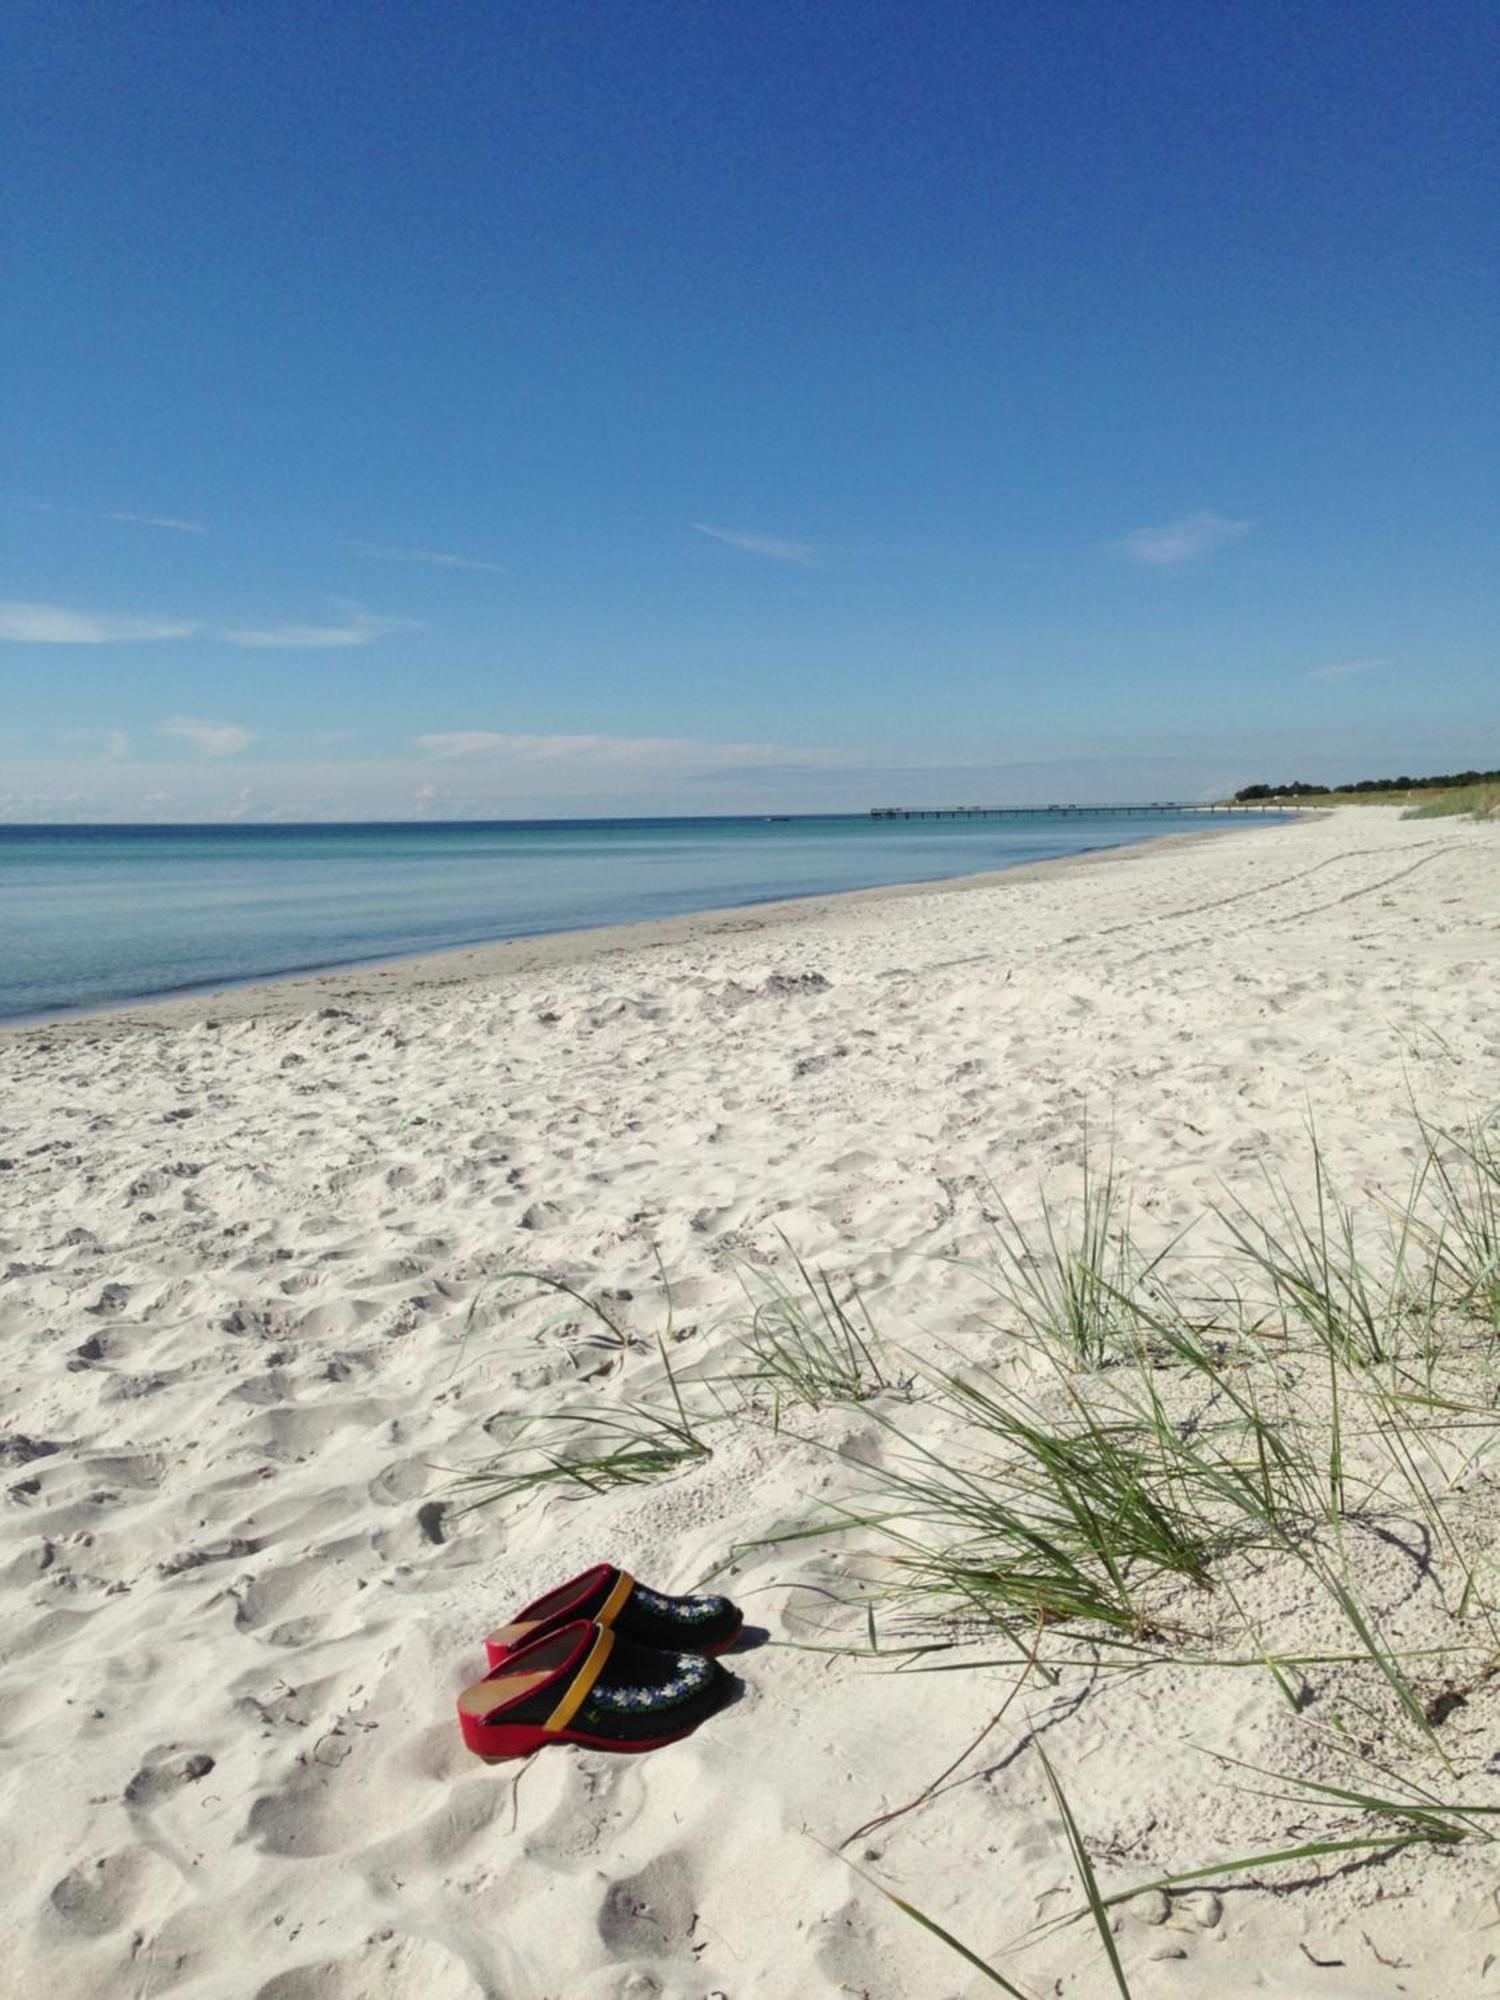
{"x": 683, "y": 1610}
{"x": 691, "y": 1676}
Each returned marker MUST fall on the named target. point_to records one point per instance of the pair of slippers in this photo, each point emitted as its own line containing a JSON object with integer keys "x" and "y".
{"x": 604, "y": 1662}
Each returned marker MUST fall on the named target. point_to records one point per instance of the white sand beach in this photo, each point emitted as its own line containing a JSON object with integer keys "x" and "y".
{"x": 256, "y": 1317}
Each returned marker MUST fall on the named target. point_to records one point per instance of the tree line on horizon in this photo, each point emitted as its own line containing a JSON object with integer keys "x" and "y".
{"x": 1298, "y": 789}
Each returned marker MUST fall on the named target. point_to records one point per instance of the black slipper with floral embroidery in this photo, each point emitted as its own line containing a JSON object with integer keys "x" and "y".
{"x": 612, "y": 1597}
{"x": 585, "y": 1684}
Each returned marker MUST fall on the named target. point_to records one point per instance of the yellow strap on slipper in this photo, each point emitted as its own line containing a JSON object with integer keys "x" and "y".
{"x": 614, "y": 1604}
{"x": 583, "y": 1681}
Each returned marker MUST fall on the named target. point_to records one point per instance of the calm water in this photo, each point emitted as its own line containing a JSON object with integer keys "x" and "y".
{"x": 91, "y": 915}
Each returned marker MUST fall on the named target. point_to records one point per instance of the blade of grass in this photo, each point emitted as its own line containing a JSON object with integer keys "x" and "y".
{"x": 955, "y": 1945}
{"x": 1085, "y": 1869}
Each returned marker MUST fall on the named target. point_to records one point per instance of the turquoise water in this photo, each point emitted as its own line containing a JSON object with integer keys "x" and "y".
{"x": 93, "y": 915}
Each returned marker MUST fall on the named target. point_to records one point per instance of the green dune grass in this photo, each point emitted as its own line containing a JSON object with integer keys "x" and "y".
{"x": 1476, "y": 801}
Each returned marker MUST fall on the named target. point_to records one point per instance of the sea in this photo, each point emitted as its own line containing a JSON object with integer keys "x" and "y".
{"x": 93, "y": 916}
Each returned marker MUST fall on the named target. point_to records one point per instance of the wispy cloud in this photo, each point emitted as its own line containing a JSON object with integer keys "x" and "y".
{"x": 357, "y": 628}
{"x": 1178, "y": 544}
{"x": 210, "y": 739}
{"x": 431, "y": 558}
{"x": 54, "y": 625}
{"x": 461, "y": 742}
{"x": 158, "y": 521}
{"x": 1343, "y": 670}
{"x": 172, "y": 521}
{"x": 119, "y": 745}
{"x": 680, "y": 754}
{"x": 779, "y": 550}
{"x": 478, "y": 742}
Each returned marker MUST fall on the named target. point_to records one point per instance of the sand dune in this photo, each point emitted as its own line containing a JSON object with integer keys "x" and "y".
{"x": 255, "y": 1317}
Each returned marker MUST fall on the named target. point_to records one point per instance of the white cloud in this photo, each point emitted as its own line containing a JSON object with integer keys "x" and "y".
{"x": 210, "y": 739}
{"x": 158, "y": 521}
{"x": 800, "y": 553}
{"x": 1343, "y": 670}
{"x": 358, "y": 628}
{"x": 54, "y": 625}
{"x": 432, "y": 558}
{"x": 119, "y": 745}
{"x": 679, "y": 755}
{"x": 475, "y": 742}
{"x": 1179, "y": 543}
{"x": 460, "y": 742}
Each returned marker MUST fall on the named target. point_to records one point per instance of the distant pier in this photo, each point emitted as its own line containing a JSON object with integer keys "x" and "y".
{"x": 1157, "y": 809}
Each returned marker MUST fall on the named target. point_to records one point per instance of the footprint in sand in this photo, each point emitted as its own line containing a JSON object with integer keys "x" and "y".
{"x": 274, "y": 1594}
{"x": 156, "y": 1781}
{"x": 406, "y": 1479}
{"x": 141, "y": 1471}
{"x": 397, "y": 1968}
{"x": 599, "y": 1800}
{"x": 639, "y": 1983}
{"x": 303, "y": 1819}
{"x": 435, "y": 1846}
{"x": 53, "y": 1628}
{"x": 282, "y": 1706}
{"x": 651, "y": 1912}
{"x": 132, "y": 1886}
{"x": 291, "y": 1433}
{"x": 413, "y": 1538}
{"x": 849, "y": 1953}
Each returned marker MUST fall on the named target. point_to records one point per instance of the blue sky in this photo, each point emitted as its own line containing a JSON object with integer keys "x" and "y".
{"x": 564, "y": 408}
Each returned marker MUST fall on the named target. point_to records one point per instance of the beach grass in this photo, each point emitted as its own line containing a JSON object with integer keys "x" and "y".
{"x": 1473, "y": 801}
{"x": 1482, "y": 800}
{"x": 805, "y": 1345}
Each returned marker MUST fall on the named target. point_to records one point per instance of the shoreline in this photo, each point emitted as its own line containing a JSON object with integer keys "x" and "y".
{"x": 293, "y": 993}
